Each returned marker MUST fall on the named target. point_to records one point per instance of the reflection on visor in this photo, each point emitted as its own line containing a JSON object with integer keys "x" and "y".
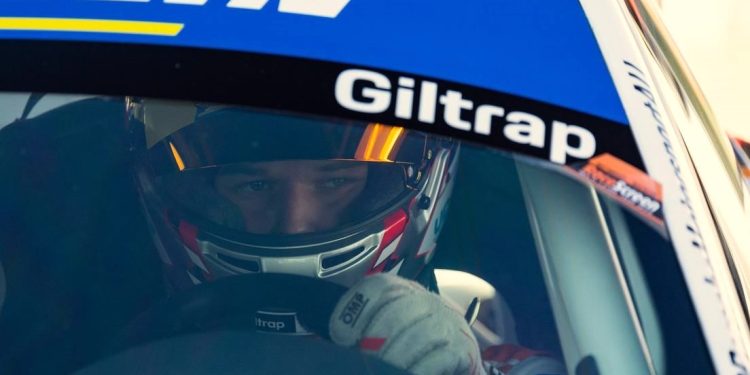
{"x": 380, "y": 143}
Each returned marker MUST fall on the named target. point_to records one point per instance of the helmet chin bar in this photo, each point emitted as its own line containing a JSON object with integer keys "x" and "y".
{"x": 343, "y": 266}
{"x": 347, "y": 264}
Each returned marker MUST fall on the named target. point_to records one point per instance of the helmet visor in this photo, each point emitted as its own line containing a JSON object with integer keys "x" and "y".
{"x": 274, "y": 173}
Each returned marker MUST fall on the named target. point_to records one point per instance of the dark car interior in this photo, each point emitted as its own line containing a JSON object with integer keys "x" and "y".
{"x": 80, "y": 264}
{"x": 76, "y": 254}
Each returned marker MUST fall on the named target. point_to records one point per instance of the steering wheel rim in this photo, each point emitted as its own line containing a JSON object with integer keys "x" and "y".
{"x": 312, "y": 299}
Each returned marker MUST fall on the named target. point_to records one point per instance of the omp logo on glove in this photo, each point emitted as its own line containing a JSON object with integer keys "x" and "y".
{"x": 275, "y": 322}
{"x": 353, "y": 309}
{"x": 405, "y": 325}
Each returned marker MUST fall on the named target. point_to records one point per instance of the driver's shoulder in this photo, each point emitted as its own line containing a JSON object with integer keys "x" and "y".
{"x": 494, "y": 327}
{"x": 494, "y": 324}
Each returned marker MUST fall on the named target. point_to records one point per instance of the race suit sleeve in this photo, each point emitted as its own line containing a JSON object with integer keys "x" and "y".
{"x": 511, "y": 359}
{"x": 495, "y": 327}
{"x": 400, "y": 322}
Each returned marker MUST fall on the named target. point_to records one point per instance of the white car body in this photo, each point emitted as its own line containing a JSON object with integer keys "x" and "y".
{"x": 705, "y": 203}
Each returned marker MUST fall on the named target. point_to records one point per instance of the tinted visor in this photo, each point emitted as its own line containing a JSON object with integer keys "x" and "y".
{"x": 233, "y": 135}
{"x": 273, "y": 173}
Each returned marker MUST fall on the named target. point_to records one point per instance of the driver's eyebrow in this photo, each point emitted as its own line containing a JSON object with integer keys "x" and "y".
{"x": 337, "y": 166}
{"x": 241, "y": 169}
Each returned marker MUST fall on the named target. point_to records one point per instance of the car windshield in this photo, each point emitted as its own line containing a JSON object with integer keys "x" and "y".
{"x": 143, "y": 235}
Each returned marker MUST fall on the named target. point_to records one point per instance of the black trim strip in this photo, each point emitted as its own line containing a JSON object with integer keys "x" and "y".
{"x": 274, "y": 82}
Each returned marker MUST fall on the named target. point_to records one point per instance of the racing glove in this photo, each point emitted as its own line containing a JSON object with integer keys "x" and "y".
{"x": 403, "y": 324}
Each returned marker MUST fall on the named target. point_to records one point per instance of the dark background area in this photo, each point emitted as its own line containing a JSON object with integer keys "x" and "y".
{"x": 73, "y": 242}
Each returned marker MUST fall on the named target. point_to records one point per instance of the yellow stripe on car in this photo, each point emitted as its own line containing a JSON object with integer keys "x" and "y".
{"x": 90, "y": 26}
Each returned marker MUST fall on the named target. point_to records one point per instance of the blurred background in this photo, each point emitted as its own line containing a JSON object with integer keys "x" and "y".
{"x": 714, "y": 38}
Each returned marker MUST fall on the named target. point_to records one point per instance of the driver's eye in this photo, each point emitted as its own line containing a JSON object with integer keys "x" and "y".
{"x": 334, "y": 183}
{"x": 252, "y": 186}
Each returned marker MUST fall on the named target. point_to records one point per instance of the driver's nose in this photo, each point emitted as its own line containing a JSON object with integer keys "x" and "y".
{"x": 302, "y": 212}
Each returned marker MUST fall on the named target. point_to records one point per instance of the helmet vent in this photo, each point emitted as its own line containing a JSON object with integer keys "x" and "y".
{"x": 245, "y": 264}
{"x": 339, "y": 259}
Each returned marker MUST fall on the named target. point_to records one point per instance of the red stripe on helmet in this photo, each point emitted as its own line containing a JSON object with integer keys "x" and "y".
{"x": 189, "y": 236}
{"x": 394, "y": 226}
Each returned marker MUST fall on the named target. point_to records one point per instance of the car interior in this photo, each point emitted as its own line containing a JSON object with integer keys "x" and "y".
{"x": 579, "y": 272}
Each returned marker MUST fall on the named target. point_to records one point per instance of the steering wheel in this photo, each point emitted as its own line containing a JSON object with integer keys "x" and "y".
{"x": 312, "y": 299}
{"x": 170, "y": 337}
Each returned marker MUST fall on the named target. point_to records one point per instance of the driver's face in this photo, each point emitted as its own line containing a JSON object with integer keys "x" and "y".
{"x": 290, "y": 197}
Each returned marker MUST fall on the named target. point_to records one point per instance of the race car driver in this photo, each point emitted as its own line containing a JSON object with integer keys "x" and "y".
{"x": 232, "y": 190}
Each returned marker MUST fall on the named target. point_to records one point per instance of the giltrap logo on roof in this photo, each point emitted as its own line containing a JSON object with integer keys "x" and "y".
{"x": 366, "y": 91}
{"x": 319, "y": 8}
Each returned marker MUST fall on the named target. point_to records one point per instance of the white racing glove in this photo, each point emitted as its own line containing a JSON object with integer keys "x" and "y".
{"x": 403, "y": 324}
